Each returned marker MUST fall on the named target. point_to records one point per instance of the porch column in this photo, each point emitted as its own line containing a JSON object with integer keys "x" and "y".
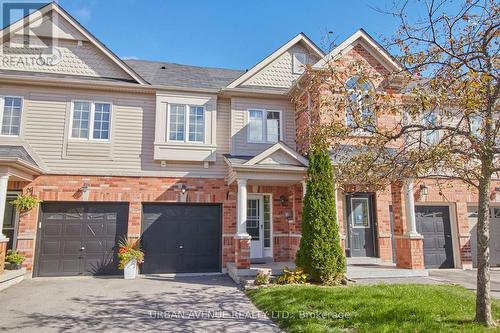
{"x": 409, "y": 244}
{"x": 4, "y": 179}
{"x": 411, "y": 224}
{"x": 242, "y": 238}
{"x": 242, "y": 207}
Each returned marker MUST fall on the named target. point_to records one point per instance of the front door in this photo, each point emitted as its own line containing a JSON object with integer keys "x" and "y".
{"x": 360, "y": 225}
{"x": 255, "y": 226}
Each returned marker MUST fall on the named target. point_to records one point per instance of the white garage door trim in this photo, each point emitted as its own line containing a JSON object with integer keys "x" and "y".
{"x": 472, "y": 220}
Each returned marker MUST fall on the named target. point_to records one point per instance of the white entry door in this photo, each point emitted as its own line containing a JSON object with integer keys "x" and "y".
{"x": 255, "y": 227}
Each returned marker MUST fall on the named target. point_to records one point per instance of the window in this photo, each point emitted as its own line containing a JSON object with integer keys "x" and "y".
{"x": 264, "y": 126}
{"x": 177, "y": 122}
{"x": 476, "y": 124}
{"x": 101, "y": 121}
{"x": 184, "y": 119}
{"x": 90, "y": 120}
{"x": 359, "y": 102}
{"x": 10, "y": 116}
{"x": 431, "y": 137}
{"x": 196, "y": 123}
{"x": 299, "y": 62}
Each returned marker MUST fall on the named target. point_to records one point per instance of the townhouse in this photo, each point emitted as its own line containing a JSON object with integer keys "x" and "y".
{"x": 206, "y": 165}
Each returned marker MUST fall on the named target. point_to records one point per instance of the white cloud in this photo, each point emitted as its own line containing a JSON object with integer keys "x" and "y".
{"x": 130, "y": 58}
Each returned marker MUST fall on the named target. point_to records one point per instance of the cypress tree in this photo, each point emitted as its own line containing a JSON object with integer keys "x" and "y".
{"x": 320, "y": 254}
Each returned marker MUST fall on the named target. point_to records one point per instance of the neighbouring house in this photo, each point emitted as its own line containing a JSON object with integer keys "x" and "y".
{"x": 206, "y": 165}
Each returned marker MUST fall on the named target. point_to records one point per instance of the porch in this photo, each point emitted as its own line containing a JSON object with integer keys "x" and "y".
{"x": 357, "y": 268}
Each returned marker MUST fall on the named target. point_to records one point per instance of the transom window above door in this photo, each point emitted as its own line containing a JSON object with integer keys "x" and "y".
{"x": 10, "y": 116}
{"x": 264, "y": 126}
{"x": 185, "y": 123}
{"x": 90, "y": 120}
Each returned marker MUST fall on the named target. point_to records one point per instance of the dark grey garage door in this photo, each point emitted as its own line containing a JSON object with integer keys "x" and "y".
{"x": 433, "y": 222}
{"x": 80, "y": 238}
{"x": 181, "y": 238}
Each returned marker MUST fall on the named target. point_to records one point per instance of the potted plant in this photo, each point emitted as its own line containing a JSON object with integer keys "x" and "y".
{"x": 25, "y": 202}
{"x": 130, "y": 254}
{"x": 14, "y": 259}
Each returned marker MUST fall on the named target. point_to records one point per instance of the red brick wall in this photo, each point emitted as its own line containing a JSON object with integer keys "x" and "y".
{"x": 134, "y": 190}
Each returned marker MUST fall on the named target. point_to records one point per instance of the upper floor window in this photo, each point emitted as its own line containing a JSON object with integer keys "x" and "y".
{"x": 430, "y": 120}
{"x": 10, "y": 116}
{"x": 184, "y": 119}
{"x": 299, "y": 62}
{"x": 90, "y": 120}
{"x": 359, "y": 102}
{"x": 264, "y": 126}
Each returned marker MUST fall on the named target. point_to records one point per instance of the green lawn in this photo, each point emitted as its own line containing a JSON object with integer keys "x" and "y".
{"x": 374, "y": 308}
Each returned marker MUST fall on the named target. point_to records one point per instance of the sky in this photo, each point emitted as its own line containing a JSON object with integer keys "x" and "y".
{"x": 221, "y": 33}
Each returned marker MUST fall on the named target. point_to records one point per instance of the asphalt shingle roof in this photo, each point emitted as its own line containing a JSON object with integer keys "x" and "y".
{"x": 17, "y": 152}
{"x": 169, "y": 74}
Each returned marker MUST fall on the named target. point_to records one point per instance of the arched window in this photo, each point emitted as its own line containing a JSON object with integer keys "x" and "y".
{"x": 359, "y": 104}
{"x": 430, "y": 120}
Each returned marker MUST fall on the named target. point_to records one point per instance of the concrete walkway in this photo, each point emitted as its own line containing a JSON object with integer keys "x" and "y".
{"x": 150, "y": 304}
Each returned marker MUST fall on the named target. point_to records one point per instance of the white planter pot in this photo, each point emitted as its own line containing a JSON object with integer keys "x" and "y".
{"x": 130, "y": 270}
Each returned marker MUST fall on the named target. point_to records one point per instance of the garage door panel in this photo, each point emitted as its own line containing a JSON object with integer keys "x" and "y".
{"x": 181, "y": 238}
{"x": 80, "y": 238}
{"x": 51, "y": 248}
{"x": 72, "y": 229}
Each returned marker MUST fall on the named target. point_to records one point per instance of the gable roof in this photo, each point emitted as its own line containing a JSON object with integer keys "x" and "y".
{"x": 296, "y": 161}
{"x": 12, "y": 28}
{"x": 301, "y": 37}
{"x": 169, "y": 74}
{"x": 376, "y": 49}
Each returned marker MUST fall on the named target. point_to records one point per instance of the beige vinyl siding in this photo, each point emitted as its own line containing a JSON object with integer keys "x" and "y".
{"x": 78, "y": 55}
{"x": 239, "y": 120}
{"x": 46, "y": 125}
{"x": 279, "y": 73}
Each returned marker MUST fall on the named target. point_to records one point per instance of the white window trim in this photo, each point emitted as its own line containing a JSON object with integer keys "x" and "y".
{"x": 2, "y": 105}
{"x": 264, "y": 126}
{"x": 359, "y": 131}
{"x": 90, "y": 136}
{"x": 368, "y": 213}
{"x": 296, "y": 69}
{"x": 186, "y": 123}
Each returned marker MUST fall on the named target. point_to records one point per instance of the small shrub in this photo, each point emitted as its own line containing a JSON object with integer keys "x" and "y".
{"x": 14, "y": 257}
{"x": 261, "y": 279}
{"x": 25, "y": 202}
{"x": 129, "y": 249}
{"x": 297, "y": 276}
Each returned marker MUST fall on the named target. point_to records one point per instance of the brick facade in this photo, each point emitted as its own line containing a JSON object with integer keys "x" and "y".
{"x": 136, "y": 190}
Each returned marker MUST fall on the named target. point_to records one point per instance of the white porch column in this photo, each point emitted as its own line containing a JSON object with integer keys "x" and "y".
{"x": 411, "y": 224}
{"x": 4, "y": 179}
{"x": 241, "y": 208}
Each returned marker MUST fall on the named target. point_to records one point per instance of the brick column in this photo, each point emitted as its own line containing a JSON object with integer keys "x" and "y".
{"x": 464, "y": 235}
{"x": 409, "y": 244}
{"x": 242, "y": 251}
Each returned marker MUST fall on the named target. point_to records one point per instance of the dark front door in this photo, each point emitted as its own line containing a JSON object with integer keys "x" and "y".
{"x": 181, "y": 238}
{"x": 80, "y": 238}
{"x": 360, "y": 224}
{"x": 433, "y": 222}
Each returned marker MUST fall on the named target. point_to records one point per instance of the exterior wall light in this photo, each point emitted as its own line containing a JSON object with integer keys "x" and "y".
{"x": 289, "y": 216}
{"x": 183, "y": 188}
{"x": 282, "y": 200}
{"x": 424, "y": 190}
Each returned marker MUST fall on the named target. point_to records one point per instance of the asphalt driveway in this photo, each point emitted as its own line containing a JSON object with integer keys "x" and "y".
{"x": 187, "y": 304}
